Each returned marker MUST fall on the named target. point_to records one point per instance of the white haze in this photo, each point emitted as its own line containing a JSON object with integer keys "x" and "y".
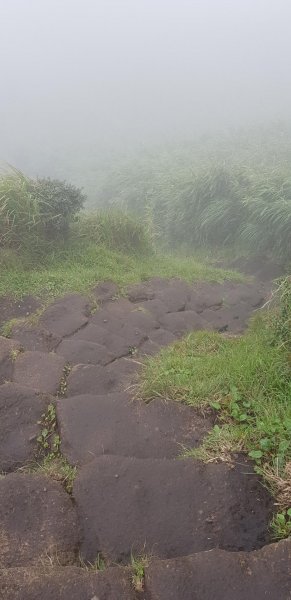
{"x": 83, "y": 78}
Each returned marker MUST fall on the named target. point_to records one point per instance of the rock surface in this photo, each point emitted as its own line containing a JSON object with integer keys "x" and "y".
{"x": 201, "y": 523}
{"x": 92, "y": 426}
{"x": 20, "y": 411}
{"x": 39, "y": 371}
{"x": 37, "y": 521}
{"x": 168, "y": 507}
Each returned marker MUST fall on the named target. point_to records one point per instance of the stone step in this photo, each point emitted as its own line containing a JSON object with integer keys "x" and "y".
{"x": 21, "y": 410}
{"x": 168, "y": 508}
{"x": 40, "y": 371}
{"x": 117, "y": 345}
{"x": 82, "y": 352}
{"x": 95, "y": 379}
{"x": 37, "y": 521}
{"x": 218, "y": 575}
{"x": 8, "y": 352}
{"x": 92, "y": 426}
{"x": 67, "y": 583}
{"x": 66, "y": 316}
{"x": 214, "y": 575}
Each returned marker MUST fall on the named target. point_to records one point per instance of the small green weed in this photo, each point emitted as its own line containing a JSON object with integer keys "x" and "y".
{"x": 63, "y": 382}
{"x": 219, "y": 445}
{"x": 281, "y": 524}
{"x": 99, "y": 564}
{"x": 57, "y": 468}
{"x": 138, "y": 564}
{"x": 48, "y": 440}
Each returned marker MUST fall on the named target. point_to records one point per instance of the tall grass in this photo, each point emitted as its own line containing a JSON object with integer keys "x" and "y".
{"x": 235, "y": 192}
{"x": 115, "y": 229}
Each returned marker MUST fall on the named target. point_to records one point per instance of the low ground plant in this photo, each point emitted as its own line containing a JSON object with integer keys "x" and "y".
{"x": 246, "y": 382}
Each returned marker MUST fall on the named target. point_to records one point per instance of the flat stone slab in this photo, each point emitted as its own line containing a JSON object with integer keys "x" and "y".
{"x": 107, "y": 290}
{"x": 219, "y": 575}
{"x": 117, "y": 345}
{"x": 20, "y": 411}
{"x": 66, "y": 583}
{"x": 168, "y": 508}
{"x": 8, "y": 351}
{"x": 155, "y": 307}
{"x": 37, "y": 521}
{"x": 180, "y": 323}
{"x": 175, "y": 296}
{"x": 140, "y": 292}
{"x": 228, "y": 319}
{"x": 94, "y": 379}
{"x": 66, "y": 316}
{"x": 77, "y": 352}
{"x": 39, "y": 371}
{"x": 35, "y": 338}
{"x": 92, "y": 426}
{"x": 162, "y": 337}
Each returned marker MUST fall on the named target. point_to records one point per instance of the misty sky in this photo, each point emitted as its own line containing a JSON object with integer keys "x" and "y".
{"x": 81, "y": 74}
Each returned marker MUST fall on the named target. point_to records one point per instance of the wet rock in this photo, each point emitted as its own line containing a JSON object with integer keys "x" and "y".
{"x": 66, "y": 316}
{"x": 89, "y": 379}
{"x": 37, "y": 521}
{"x": 39, "y": 371}
{"x": 105, "y": 291}
{"x": 182, "y": 322}
{"x": 78, "y": 352}
{"x": 112, "y": 424}
{"x": 20, "y": 411}
{"x": 67, "y": 583}
{"x": 8, "y": 352}
{"x": 35, "y": 338}
{"x": 168, "y": 508}
{"x": 117, "y": 345}
{"x": 260, "y": 575}
{"x": 140, "y": 292}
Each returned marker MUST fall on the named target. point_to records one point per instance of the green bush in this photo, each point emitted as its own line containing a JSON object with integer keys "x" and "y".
{"x": 58, "y": 202}
{"x": 114, "y": 229}
{"x": 35, "y": 212}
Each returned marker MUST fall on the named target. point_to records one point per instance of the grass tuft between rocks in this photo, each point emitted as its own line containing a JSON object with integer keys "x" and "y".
{"x": 246, "y": 380}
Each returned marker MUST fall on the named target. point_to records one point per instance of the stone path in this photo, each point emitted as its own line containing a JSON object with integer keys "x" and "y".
{"x": 205, "y": 526}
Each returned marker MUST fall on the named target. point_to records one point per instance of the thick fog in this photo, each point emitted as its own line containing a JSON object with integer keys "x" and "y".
{"x": 83, "y": 78}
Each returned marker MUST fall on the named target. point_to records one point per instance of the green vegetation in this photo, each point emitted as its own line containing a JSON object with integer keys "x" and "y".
{"x": 80, "y": 265}
{"x": 48, "y": 248}
{"x": 281, "y": 524}
{"x": 246, "y": 381}
{"x": 138, "y": 565}
{"x": 233, "y": 192}
{"x": 57, "y": 468}
{"x": 50, "y": 461}
{"x": 35, "y": 213}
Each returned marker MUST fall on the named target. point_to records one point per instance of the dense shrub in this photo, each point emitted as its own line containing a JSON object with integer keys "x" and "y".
{"x": 59, "y": 202}
{"x": 34, "y": 212}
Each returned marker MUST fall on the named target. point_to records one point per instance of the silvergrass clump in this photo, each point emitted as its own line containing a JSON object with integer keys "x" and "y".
{"x": 115, "y": 229}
